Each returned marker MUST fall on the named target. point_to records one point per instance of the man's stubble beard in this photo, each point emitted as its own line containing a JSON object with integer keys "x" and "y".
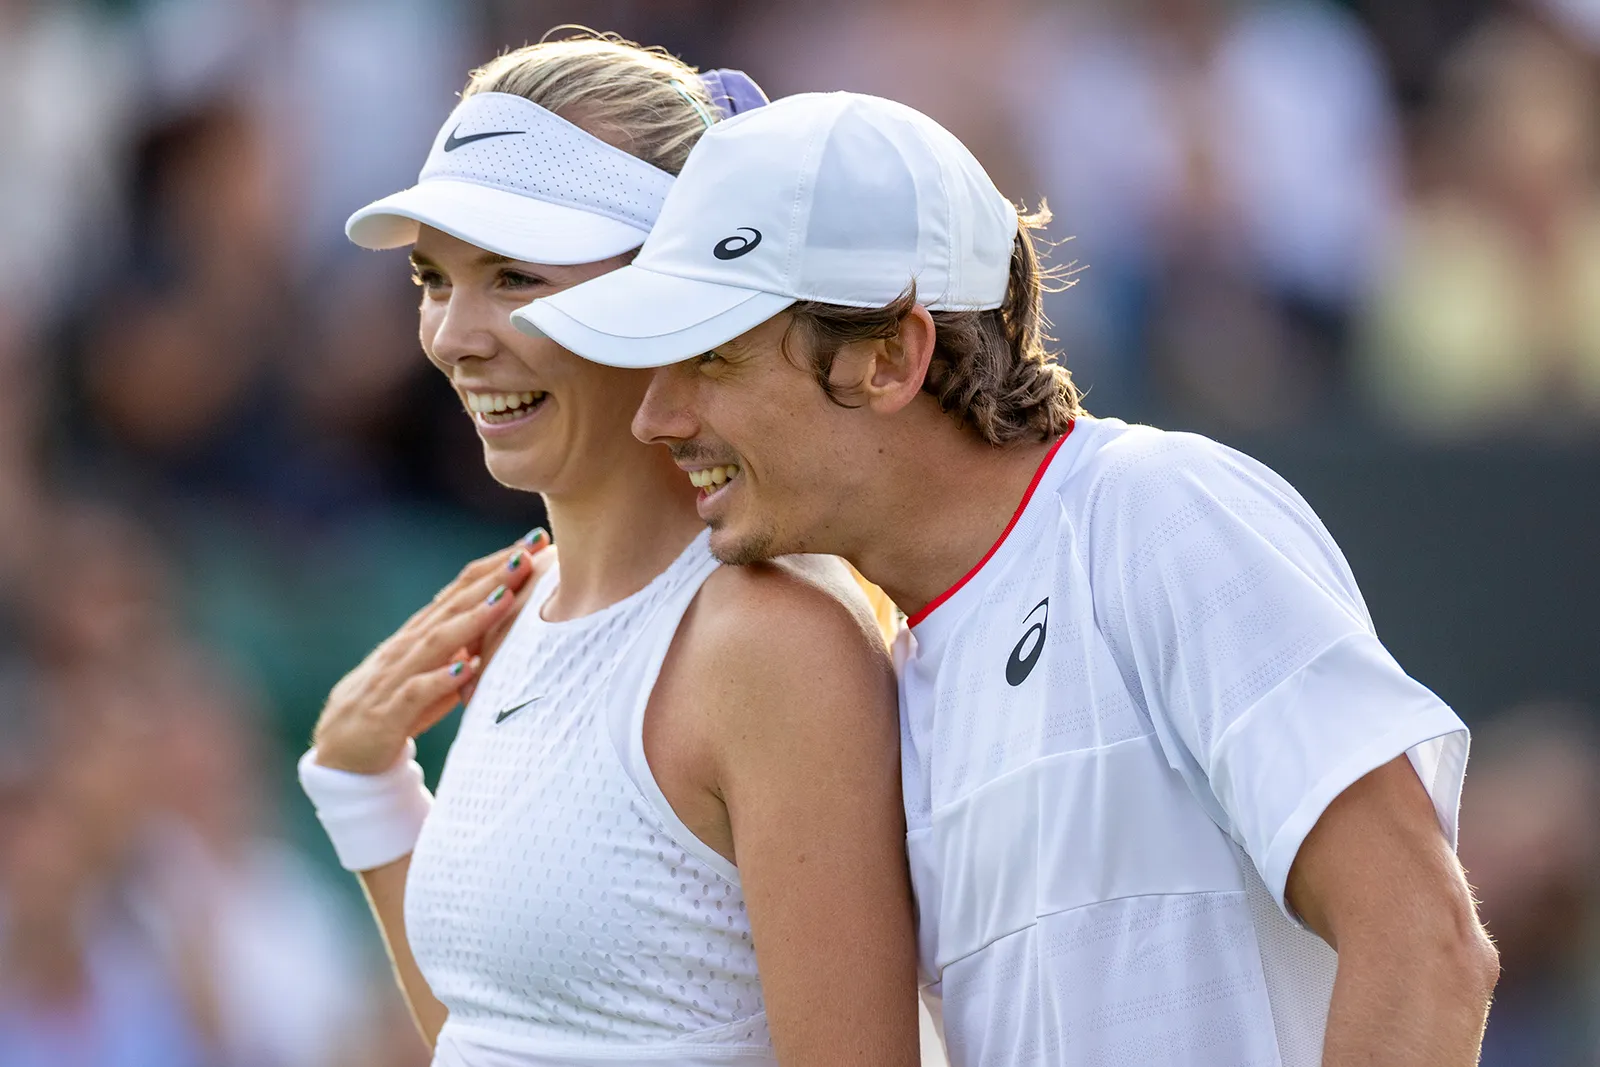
{"x": 747, "y": 550}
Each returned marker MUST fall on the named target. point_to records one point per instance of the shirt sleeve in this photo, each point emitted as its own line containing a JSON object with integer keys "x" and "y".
{"x": 1236, "y": 621}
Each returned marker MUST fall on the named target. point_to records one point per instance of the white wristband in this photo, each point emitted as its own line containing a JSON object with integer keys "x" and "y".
{"x": 372, "y": 819}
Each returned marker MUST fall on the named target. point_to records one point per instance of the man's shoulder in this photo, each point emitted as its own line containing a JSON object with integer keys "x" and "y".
{"x": 1121, "y": 454}
{"x": 1126, "y": 470}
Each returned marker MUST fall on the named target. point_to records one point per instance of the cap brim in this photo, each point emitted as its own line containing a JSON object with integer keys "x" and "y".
{"x": 635, "y": 317}
{"x": 500, "y": 221}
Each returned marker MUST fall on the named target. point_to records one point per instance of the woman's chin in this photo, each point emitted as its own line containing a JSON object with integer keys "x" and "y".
{"x": 522, "y": 476}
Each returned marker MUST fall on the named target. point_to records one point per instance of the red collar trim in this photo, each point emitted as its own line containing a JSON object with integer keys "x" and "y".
{"x": 1038, "y": 476}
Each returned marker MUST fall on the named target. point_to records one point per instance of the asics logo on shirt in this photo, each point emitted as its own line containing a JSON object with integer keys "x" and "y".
{"x": 453, "y": 142}
{"x": 737, "y": 245}
{"x": 1026, "y": 655}
{"x": 513, "y": 709}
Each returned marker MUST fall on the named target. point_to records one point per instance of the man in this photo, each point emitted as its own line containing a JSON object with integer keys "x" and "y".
{"x": 1157, "y": 765}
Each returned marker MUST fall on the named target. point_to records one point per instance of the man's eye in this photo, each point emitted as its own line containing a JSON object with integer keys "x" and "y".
{"x": 515, "y": 279}
{"x": 706, "y": 359}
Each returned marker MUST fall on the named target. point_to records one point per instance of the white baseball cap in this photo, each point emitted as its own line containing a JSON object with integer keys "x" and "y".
{"x": 833, "y": 197}
{"x": 517, "y": 179}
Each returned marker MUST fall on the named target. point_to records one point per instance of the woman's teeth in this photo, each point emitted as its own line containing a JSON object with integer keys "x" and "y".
{"x": 712, "y": 477}
{"x": 508, "y": 406}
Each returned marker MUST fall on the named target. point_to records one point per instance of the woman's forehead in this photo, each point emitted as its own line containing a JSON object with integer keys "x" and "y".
{"x": 435, "y": 248}
{"x": 434, "y": 244}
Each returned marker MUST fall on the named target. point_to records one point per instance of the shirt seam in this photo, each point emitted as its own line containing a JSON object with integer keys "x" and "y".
{"x": 1436, "y": 722}
{"x": 1037, "y": 919}
{"x": 1223, "y": 740}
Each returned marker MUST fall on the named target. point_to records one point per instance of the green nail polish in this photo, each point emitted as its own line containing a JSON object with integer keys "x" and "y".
{"x": 456, "y": 668}
{"x": 496, "y": 596}
{"x": 516, "y": 561}
{"x": 535, "y": 536}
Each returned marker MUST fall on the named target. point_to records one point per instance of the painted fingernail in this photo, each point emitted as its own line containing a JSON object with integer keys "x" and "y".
{"x": 496, "y": 596}
{"x": 515, "y": 562}
{"x": 457, "y": 667}
{"x": 535, "y": 536}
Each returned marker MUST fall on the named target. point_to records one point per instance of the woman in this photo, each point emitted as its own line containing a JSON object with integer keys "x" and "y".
{"x": 649, "y": 717}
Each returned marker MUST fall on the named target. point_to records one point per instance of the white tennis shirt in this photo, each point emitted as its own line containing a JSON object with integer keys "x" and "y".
{"x": 557, "y": 905}
{"x": 1116, "y": 731}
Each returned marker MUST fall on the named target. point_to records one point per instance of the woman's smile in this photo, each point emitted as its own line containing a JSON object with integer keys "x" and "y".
{"x": 496, "y": 413}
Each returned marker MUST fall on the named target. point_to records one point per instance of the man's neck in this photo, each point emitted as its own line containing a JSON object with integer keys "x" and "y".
{"x": 935, "y": 513}
{"x": 623, "y": 530}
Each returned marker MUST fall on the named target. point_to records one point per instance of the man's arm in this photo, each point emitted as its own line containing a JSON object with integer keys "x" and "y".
{"x": 1377, "y": 880}
{"x": 1269, "y": 687}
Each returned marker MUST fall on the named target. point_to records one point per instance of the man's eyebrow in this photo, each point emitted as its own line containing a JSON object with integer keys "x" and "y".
{"x": 734, "y": 347}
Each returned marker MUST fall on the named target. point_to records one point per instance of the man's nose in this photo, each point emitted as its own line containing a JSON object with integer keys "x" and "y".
{"x": 666, "y": 414}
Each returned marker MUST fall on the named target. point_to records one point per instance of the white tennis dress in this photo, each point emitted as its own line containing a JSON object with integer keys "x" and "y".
{"x": 1117, "y": 731}
{"x": 556, "y": 905}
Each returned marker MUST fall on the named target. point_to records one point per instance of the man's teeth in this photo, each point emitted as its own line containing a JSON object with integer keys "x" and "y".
{"x": 713, "y": 476}
{"x": 489, "y": 403}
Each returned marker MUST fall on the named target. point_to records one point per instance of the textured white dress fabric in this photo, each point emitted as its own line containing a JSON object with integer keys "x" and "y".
{"x": 1116, "y": 735}
{"x": 556, "y": 905}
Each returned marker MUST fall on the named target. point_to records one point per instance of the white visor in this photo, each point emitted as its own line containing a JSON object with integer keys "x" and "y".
{"x": 636, "y": 318}
{"x": 500, "y": 221}
{"x": 516, "y": 179}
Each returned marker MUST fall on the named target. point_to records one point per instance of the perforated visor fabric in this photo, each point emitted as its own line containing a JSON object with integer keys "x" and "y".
{"x": 515, "y": 178}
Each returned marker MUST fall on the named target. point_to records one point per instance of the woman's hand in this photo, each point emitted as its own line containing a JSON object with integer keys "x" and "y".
{"x": 428, "y": 666}
{"x": 544, "y": 557}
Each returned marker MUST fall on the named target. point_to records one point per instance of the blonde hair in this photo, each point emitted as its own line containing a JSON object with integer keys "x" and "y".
{"x": 644, "y": 101}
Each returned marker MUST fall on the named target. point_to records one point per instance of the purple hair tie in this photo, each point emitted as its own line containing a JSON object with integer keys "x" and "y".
{"x": 732, "y": 91}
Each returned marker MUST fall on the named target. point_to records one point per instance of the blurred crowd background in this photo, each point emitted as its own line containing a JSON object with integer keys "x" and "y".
{"x": 1360, "y": 240}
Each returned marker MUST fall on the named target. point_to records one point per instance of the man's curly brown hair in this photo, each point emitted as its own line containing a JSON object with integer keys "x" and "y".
{"x": 990, "y": 370}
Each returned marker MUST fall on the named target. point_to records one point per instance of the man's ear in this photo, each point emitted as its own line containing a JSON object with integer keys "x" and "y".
{"x": 899, "y": 364}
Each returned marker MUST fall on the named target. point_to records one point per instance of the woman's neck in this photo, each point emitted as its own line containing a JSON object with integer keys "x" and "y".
{"x": 616, "y": 536}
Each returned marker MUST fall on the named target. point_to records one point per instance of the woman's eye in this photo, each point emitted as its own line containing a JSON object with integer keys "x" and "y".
{"x": 430, "y": 280}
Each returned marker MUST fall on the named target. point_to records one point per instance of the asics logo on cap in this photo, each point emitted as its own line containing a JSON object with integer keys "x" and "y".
{"x": 737, "y": 245}
{"x": 453, "y": 142}
{"x": 1021, "y": 663}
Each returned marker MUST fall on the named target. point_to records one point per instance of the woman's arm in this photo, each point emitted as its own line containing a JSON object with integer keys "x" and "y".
{"x": 405, "y": 686}
{"x": 796, "y": 702}
{"x": 386, "y": 894}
